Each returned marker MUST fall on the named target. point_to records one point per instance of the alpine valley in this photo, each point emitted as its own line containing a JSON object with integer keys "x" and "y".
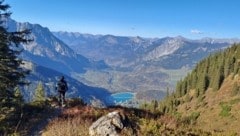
{"x": 96, "y": 66}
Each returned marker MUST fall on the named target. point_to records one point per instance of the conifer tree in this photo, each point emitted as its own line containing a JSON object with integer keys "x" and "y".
{"x": 236, "y": 67}
{"x": 218, "y": 79}
{"x": 18, "y": 96}
{"x": 184, "y": 87}
{"x": 154, "y": 104}
{"x": 202, "y": 84}
{"x": 168, "y": 92}
{"x": 11, "y": 74}
{"x": 226, "y": 67}
{"x": 39, "y": 94}
{"x": 193, "y": 79}
{"x": 179, "y": 88}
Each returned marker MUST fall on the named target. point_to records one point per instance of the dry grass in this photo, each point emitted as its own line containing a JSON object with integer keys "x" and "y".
{"x": 68, "y": 127}
{"x": 73, "y": 122}
{"x": 76, "y": 121}
{"x": 212, "y": 117}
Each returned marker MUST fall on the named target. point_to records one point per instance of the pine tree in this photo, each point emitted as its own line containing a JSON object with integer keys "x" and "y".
{"x": 184, "y": 87}
{"x": 179, "y": 88}
{"x": 202, "y": 84}
{"x": 218, "y": 79}
{"x": 236, "y": 67}
{"x": 18, "y": 96}
{"x": 193, "y": 79}
{"x": 11, "y": 74}
{"x": 226, "y": 67}
{"x": 167, "y": 92}
{"x": 39, "y": 94}
{"x": 154, "y": 105}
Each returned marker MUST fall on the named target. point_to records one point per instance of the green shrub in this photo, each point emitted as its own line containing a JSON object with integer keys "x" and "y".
{"x": 225, "y": 112}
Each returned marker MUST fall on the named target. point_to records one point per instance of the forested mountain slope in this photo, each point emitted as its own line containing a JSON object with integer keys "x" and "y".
{"x": 209, "y": 97}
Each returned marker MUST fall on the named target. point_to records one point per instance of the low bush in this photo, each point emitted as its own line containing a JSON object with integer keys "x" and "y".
{"x": 225, "y": 112}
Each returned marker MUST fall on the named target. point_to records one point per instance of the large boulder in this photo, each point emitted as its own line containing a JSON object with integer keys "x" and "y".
{"x": 108, "y": 125}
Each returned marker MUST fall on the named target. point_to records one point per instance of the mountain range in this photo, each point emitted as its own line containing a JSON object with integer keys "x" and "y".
{"x": 116, "y": 63}
{"x": 126, "y": 51}
{"x": 141, "y": 64}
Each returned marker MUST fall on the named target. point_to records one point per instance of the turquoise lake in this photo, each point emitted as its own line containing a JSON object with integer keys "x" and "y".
{"x": 121, "y": 97}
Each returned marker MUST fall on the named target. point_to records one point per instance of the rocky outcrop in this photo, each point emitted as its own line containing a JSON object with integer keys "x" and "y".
{"x": 96, "y": 103}
{"x": 109, "y": 125}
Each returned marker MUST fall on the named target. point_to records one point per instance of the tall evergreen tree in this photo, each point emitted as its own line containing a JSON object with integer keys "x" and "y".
{"x": 218, "y": 79}
{"x": 179, "y": 88}
{"x": 236, "y": 67}
{"x": 11, "y": 74}
{"x": 202, "y": 84}
{"x": 227, "y": 67}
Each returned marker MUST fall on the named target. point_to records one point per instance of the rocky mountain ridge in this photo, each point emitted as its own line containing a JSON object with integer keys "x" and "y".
{"x": 48, "y": 51}
{"x": 135, "y": 50}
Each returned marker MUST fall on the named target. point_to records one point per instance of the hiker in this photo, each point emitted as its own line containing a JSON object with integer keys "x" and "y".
{"x": 61, "y": 88}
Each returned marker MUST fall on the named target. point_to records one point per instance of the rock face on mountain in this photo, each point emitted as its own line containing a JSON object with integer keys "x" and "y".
{"x": 48, "y": 51}
{"x": 109, "y": 125}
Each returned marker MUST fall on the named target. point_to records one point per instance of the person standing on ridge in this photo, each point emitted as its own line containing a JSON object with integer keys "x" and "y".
{"x": 61, "y": 88}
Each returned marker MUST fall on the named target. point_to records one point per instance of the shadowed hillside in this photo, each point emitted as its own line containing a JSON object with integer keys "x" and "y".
{"x": 49, "y": 78}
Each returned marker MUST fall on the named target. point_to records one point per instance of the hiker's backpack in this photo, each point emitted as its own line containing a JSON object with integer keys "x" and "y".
{"x": 62, "y": 86}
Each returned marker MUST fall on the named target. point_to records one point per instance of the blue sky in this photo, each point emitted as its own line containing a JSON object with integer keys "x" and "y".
{"x": 146, "y": 18}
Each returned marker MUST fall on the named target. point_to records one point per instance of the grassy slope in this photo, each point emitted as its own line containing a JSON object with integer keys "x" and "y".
{"x": 213, "y": 117}
{"x": 76, "y": 121}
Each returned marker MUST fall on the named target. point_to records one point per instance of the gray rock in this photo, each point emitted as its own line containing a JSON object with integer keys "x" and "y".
{"x": 108, "y": 125}
{"x": 96, "y": 103}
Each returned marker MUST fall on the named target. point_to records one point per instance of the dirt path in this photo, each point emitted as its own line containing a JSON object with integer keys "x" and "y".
{"x": 38, "y": 128}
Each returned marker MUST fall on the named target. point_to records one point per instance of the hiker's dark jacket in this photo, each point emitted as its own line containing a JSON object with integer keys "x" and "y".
{"x": 62, "y": 86}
